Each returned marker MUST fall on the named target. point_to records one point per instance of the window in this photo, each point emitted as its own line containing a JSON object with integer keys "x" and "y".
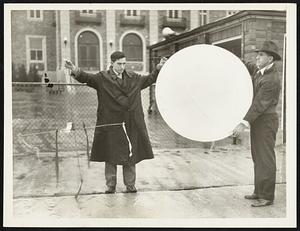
{"x": 174, "y": 14}
{"x": 88, "y": 13}
{"x": 231, "y": 12}
{"x": 233, "y": 45}
{"x": 132, "y": 47}
{"x": 132, "y": 13}
{"x": 36, "y": 51}
{"x": 203, "y": 17}
{"x": 35, "y": 15}
{"x": 88, "y": 51}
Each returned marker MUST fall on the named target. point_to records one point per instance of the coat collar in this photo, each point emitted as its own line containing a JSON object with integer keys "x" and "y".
{"x": 269, "y": 70}
{"x": 262, "y": 71}
{"x": 114, "y": 76}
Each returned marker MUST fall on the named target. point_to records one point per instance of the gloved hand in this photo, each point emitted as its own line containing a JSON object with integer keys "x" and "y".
{"x": 239, "y": 129}
{"x": 70, "y": 66}
{"x": 161, "y": 63}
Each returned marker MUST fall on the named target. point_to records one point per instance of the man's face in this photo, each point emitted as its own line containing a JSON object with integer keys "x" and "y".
{"x": 263, "y": 59}
{"x": 119, "y": 65}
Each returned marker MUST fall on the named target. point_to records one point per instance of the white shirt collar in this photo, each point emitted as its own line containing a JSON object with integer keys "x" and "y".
{"x": 262, "y": 71}
{"x": 118, "y": 74}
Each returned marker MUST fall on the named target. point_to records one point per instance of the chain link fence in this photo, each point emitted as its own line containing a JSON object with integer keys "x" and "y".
{"x": 40, "y": 110}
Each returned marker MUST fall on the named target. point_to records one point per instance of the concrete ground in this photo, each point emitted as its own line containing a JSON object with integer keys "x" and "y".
{"x": 177, "y": 183}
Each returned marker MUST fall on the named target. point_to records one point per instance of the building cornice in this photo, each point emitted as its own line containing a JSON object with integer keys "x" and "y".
{"x": 242, "y": 15}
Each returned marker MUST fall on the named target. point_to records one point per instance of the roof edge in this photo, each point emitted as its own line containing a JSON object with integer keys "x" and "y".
{"x": 221, "y": 21}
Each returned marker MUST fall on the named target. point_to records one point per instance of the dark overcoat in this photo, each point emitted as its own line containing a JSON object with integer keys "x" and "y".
{"x": 263, "y": 120}
{"x": 266, "y": 91}
{"x": 119, "y": 103}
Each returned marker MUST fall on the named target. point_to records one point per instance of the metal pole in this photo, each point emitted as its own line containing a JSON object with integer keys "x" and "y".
{"x": 78, "y": 164}
{"x": 87, "y": 144}
{"x": 56, "y": 157}
{"x": 284, "y": 91}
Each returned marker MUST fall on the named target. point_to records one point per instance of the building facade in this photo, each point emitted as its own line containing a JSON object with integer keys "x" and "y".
{"x": 43, "y": 38}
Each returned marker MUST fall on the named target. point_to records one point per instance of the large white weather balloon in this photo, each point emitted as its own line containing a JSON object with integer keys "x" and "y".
{"x": 203, "y": 92}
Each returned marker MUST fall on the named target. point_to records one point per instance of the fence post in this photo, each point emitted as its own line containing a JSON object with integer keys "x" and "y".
{"x": 56, "y": 157}
{"x": 87, "y": 144}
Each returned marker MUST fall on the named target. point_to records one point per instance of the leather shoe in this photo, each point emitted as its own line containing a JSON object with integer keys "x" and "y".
{"x": 262, "y": 203}
{"x": 130, "y": 189}
{"x": 110, "y": 189}
{"x": 251, "y": 197}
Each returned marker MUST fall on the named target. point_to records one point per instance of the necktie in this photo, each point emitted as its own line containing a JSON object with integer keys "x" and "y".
{"x": 257, "y": 78}
{"x": 119, "y": 79}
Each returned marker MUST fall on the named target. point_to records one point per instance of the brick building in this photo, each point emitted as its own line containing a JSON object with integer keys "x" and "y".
{"x": 43, "y": 38}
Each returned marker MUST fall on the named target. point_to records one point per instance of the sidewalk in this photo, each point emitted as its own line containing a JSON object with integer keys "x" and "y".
{"x": 177, "y": 183}
{"x": 223, "y": 202}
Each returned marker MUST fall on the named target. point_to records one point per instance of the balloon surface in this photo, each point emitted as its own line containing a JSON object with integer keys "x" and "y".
{"x": 203, "y": 92}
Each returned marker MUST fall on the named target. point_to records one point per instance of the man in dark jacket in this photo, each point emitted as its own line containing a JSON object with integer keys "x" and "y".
{"x": 263, "y": 120}
{"x": 120, "y": 136}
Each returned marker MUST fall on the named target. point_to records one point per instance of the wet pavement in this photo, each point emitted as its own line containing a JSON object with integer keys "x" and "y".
{"x": 222, "y": 202}
{"x": 177, "y": 183}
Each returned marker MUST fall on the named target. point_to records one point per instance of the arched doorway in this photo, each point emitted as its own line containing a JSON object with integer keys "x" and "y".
{"x": 132, "y": 46}
{"x": 88, "y": 51}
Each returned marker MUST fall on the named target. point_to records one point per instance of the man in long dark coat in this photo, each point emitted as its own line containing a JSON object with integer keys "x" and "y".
{"x": 120, "y": 136}
{"x": 263, "y": 120}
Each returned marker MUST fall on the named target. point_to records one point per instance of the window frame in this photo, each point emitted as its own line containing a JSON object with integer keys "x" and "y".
{"x": 98, "y": 61}
{"x": 203, "y": 14}
{"x": 29, "y": 18}
{"x": 28, "y": 51}
{"x": 174, "y": 19}
{"x": 75, "y": 46}
{"x": 87, "y": 14}
{"x": 230, "y": 39}
{"x": 143, "y": 71}
{"x": 141, "y": 46}
{"x": 138, "y": 14}
{"x": 231, "y": 12}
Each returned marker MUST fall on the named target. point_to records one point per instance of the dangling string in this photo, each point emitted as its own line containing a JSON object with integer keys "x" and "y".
{"x": 129, "y": 143}
{"x": 36, "y": 149}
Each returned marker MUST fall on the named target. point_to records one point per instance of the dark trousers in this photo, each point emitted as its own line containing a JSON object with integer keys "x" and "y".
{"x": 129, "y": 174}
{"x": 263, "y": 137}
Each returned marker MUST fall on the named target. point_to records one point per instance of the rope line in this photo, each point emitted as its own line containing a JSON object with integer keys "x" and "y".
{"x": 129, "y": 143}
{"x": 47, "y": 84}
{"x": 66, "y": 130}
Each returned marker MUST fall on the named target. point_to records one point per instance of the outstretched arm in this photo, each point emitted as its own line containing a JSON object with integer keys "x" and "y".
{"x": 252, "y": 68}
{"x": 148, "y": 80}
{"x": 81, "y": 76}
